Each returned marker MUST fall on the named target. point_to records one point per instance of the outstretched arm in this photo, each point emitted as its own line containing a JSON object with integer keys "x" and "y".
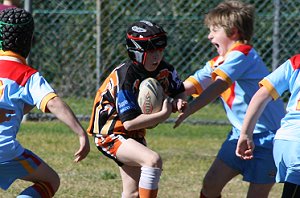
{"x": 257, "y": 104}
{"x": 207, "y": 96}
{"x": 63, "y": 112}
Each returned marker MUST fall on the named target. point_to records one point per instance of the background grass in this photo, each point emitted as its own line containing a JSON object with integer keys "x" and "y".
{"x": 187, "y": 153}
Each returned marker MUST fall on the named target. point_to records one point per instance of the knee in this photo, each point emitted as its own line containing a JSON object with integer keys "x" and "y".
{"x": 52, "y": 183}
{"x": 154, "y": 161}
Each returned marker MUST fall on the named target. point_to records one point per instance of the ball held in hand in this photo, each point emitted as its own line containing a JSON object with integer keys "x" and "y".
{"x": 151, "y": 96}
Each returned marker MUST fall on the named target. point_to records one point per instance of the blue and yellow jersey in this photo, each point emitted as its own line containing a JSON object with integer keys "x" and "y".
{"x": 20, "y": 85}
{"x": 242, "y": 68}
{"x": 287, "y": 78}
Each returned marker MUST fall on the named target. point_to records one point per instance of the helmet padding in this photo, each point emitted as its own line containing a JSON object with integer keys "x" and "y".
{"x": 143, "y": 36}
{"x": 16, "y": 30}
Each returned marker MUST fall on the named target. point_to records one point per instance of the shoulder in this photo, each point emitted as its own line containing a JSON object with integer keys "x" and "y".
{"x": 295, "y": 61}
{"x": 243, "y": 48}
{"x": 127, "y": 73}
{"x": 18, "y": 72}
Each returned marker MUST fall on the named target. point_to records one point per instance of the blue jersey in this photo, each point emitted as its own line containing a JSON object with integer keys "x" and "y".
{"x": 19, "y": 85}
{"x": 242, "y": 68}
{"x": 287, "y": 78}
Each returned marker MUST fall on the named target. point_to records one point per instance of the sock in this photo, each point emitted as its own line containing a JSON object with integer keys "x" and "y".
{"x": 148, "y": 185}
{"x": 38, "y": 190}
{"x": 147, "y": 193}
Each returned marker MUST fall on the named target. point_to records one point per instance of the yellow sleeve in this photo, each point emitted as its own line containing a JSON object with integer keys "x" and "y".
{"x": 264, "y": 82}
{"x": 43, "y": 105}
{"x": 223, "y": 75}
{"x": 196, "y": 84}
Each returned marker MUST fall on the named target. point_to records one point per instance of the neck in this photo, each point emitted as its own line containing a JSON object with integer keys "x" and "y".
{"x": 9, "y": 55}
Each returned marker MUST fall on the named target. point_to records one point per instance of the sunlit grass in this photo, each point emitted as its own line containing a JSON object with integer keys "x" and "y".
{"x": 187, "y": 153}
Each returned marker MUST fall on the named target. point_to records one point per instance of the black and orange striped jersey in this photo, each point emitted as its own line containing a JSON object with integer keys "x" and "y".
{"x": 116, "y": 100}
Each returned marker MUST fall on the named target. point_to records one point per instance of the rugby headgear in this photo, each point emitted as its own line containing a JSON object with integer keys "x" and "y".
{"x": 143, "y": 36}
{"x": 16, "y": 30}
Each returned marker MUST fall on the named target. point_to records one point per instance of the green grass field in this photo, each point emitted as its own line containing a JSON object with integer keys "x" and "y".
{"x": 187, "y": 152}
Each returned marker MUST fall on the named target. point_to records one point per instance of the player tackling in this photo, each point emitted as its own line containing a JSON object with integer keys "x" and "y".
{"x": 117, "y": 122}
{"x": 234, "y": 76}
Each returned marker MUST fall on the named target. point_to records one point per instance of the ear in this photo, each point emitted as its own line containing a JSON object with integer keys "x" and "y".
{"x": 235, "y": 35}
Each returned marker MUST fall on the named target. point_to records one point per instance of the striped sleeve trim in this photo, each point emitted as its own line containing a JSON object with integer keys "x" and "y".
{"x": 222, "y": 74}
{"x": 43, "y": 105}
{"x": 196, "y": 84}
{"x": 266, "y": 83}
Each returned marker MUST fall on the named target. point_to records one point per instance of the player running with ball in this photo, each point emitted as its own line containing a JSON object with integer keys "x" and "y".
{"x": 117, "y": 122}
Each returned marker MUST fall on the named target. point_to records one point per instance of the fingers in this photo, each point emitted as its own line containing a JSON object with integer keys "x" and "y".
{"x": 83, "y": 150}
{"x": 177, "y": 104}
{"x": 245, "y": 154}
{"x": 80, "y": 155}
{"x": 178, "y": 121}
{"x": 182, "y": 106}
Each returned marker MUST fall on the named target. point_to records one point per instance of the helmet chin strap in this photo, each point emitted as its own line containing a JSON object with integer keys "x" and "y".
{"x": 144, "y": 58}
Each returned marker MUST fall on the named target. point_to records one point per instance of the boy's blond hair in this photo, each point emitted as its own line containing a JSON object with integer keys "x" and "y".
{"x": 233, "y": 14}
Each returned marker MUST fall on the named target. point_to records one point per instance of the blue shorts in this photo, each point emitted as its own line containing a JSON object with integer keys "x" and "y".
{"x": 18, "y": 168}
{"x": 287, "y": 160}
{"x": 261, "y": 169}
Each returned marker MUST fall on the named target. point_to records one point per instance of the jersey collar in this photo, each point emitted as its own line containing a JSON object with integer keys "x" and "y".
{"x": 9, "y": 55}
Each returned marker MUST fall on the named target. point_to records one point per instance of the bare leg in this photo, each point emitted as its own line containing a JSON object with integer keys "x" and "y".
{"x": 44, "y": 174}
{"x": 130, "y": 181}
{"x": 141, "y": 170}
{"x": 216, "y": 178}
{"x": 259, "y": 190}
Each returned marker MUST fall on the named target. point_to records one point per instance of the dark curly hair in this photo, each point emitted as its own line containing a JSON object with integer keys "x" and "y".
{"x": 16, "y": 30}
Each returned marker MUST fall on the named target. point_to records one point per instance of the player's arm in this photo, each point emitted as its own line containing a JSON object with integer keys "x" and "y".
{"x": 27, "y": 108}
{"x": 63, "y": 112}
{"x": 257, "y": 104}
{"x": 208, "y": 95}
{"x": 149, "y": 120}
{"x": 189, "y": 88}
{"x": 4, "y": 114}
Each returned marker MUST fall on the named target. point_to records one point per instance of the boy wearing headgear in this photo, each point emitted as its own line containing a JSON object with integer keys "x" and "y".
{"x": 117, "y": 122}
{"x": 22, "y": 88}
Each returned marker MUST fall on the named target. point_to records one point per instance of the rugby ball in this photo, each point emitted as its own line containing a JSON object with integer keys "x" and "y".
{"x": 151, "y": 96}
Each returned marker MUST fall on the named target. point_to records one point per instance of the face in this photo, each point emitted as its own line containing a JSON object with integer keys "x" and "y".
{"x": 153, "y": 58}
{"x": 220, "y": 40}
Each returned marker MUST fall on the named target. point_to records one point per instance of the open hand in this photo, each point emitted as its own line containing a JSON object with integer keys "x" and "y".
{"x": 83, "y": 150}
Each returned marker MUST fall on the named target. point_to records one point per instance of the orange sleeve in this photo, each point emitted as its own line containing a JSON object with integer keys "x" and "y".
{"x": 264, "y": 82}
{"x": 43, "y": 105}
{"x": 222, "y": 74}
{"x": 196, "y": 84}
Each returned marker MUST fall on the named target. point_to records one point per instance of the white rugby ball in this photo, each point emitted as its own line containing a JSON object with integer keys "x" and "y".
{"x": 151, "y": 96}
